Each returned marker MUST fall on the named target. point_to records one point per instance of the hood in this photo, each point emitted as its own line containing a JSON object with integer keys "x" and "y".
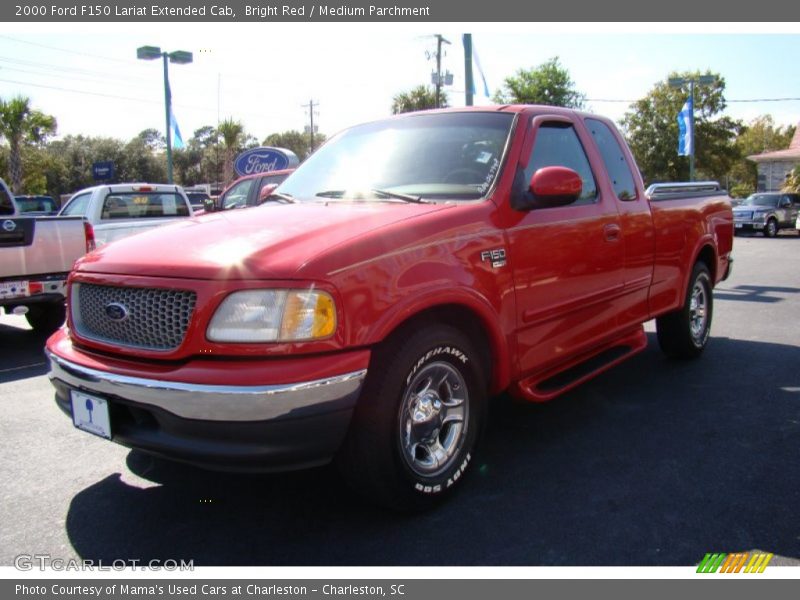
{"x": 271, "y": 241}
{"x": 752, "y": 208}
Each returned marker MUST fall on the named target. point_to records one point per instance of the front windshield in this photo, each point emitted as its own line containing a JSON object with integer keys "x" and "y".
{"x": 762, "y": 200}
{"x": 453, "y": 156}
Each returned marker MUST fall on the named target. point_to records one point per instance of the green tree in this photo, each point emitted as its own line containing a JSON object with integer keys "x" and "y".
{"x": 22, "y": 126}
{"x": 140, "y": 162}
{"x": 299, "y": 143}
{"x": 152, "y": 139}
{"x": 418, "y": 98}
{"x": 651, "y": 127}
{"x": 206, "y": 142}
{"x": 233, "y": 136}
{"x": 549, "y": 83}
{"x": 73, "y": 157}
{"x": 760, "y": 135}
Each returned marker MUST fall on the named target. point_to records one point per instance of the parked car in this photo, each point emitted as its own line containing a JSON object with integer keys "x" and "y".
{"x": 415, "y": 268}
{"x": 36, "y": 205}
{"x": 250, "y": 190}
{"x": 767, "y": 212}
{"x": 36, "y": 255}
{"x": 119, "y": 210}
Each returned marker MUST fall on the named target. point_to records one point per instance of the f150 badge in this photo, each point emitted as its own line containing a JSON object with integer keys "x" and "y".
{"x": 497, "y": 257}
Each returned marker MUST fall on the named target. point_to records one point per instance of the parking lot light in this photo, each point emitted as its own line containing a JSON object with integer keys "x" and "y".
{"x": 180, "y": 57}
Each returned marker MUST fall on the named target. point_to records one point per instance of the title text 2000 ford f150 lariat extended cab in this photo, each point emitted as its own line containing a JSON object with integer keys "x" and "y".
{"x": 406, "y": 272}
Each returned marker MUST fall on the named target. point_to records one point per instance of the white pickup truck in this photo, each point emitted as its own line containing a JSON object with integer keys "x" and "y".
{"x": 36, "y": 255}
{"x": 121, "y": 209}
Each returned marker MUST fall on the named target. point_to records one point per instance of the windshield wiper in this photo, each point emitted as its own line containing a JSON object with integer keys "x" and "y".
{"x": 399, "y": 196}
{"x": 280, "y": 197}
{"x": 384, "y": 193}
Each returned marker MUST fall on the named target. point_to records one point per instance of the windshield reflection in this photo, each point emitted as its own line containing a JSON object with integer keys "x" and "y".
{"x": 417, "y": 158}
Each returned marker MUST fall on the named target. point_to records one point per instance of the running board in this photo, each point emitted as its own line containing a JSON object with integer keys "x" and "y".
{"x": 550, "y": 383}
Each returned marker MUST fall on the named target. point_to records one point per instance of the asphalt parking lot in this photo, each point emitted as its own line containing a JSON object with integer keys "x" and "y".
{"x": 654, "y": 463}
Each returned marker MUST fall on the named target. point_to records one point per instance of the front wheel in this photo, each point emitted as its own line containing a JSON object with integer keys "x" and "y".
{"x": 684, "y": 332}
{"x": 417, "y": 423}
{"x": 771, "y": 229}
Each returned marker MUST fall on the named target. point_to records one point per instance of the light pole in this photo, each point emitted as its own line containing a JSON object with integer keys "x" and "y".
{"x": 678, "y": 82}
{"x": 179, "y": 57}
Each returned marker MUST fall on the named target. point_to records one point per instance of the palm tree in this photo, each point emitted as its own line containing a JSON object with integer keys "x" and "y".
{"x": 20, "y": 125}
{"x": 232, "y": 133}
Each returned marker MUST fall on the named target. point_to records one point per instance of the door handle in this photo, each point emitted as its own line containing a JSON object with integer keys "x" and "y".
{"x": 612, "y": 232}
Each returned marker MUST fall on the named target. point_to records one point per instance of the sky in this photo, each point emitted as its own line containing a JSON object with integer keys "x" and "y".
{"x": 88, "y": 77}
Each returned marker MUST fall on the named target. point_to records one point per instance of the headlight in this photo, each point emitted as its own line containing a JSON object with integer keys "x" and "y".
{"x": 273, "y": 316}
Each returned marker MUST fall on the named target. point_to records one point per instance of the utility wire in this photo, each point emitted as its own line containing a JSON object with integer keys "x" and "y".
{"x": 207, "y": 109}
{"x": 19, "y": 41}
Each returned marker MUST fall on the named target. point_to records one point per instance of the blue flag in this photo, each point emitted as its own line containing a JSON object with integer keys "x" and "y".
{"x": 477, "y": 62}
{"x": 686, "y": 135}
{"x": 177, "y": 139}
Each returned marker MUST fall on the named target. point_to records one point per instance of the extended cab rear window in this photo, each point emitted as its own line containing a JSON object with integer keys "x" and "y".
{"x": 143, "y": 205}
{"x": 613, "y": 159}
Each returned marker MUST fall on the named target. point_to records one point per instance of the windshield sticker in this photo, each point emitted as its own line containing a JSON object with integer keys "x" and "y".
{"x": 490, "y": 176}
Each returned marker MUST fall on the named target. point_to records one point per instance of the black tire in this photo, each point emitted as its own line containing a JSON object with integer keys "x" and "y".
{"x": 46, "y": 318}
{"x": 771, "y": 228}
{"x": 684, "y": 332}
{"x": 411, "y": 440}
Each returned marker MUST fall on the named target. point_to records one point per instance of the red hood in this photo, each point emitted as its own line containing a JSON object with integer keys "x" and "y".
{"x": 272, "y": 241}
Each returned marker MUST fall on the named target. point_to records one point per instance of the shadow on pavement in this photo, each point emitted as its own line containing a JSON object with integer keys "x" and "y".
{"x": 654, "y": 463}
{"x": 754, "y": 293}
{"x": 21, "y": 353}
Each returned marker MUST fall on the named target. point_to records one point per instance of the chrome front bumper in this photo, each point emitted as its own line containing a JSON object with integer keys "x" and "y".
{"x": 214, "y": 402}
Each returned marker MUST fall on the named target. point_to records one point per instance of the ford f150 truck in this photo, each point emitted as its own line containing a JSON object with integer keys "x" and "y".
{"x": 36, "y": 255}
{"x": 122, "y": 209}
{"x": 407, "y": 272}
{"x": 767, "y": 212}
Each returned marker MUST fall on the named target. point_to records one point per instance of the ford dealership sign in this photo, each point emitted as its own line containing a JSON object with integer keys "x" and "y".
{"x": 264, "y": 159}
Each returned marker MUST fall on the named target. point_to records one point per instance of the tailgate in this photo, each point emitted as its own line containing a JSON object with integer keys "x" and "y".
{"x": 40, "y": 245}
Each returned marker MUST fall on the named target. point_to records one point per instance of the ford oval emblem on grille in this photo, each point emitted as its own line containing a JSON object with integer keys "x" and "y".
{"x": 116, "y": 311}
{"x": 9, "y": 225}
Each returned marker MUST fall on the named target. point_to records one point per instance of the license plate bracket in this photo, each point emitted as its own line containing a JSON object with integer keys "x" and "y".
{"x": 90, "y": 413}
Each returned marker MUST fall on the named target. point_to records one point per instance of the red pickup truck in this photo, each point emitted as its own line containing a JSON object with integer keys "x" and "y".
{"x": 407, "y": 272}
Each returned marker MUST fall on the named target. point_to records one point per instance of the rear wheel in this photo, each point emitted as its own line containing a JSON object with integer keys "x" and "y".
{"x": 684, "y": 332}
{"x": 414, "y": 432}
{"x": 46, "y": 318}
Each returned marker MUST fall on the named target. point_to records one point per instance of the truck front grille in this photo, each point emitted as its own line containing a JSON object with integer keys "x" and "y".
{"x": 147, "y": 318}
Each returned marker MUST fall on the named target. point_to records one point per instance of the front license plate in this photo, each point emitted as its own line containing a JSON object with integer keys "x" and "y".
{"x": 14, "y": 289}
{"x": 90, "y": 413}
{"x": 738, "y": 225}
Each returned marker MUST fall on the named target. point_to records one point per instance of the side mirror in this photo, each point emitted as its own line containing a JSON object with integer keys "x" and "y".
{"x": 208, "y": 205}
{"x": 266, "y": 191}
{"x": 551, "y": 187}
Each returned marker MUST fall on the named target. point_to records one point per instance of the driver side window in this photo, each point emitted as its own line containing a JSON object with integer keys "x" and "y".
{"x": 557, "y": 145}
{"x": 236, "y": 197}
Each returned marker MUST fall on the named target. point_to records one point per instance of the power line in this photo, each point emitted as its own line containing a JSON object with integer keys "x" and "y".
{"x": 260, "y": 115}
{"x": 19, "y": 41}
{"x": 58, "y": 69}
{"x": 101, "y": 94}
